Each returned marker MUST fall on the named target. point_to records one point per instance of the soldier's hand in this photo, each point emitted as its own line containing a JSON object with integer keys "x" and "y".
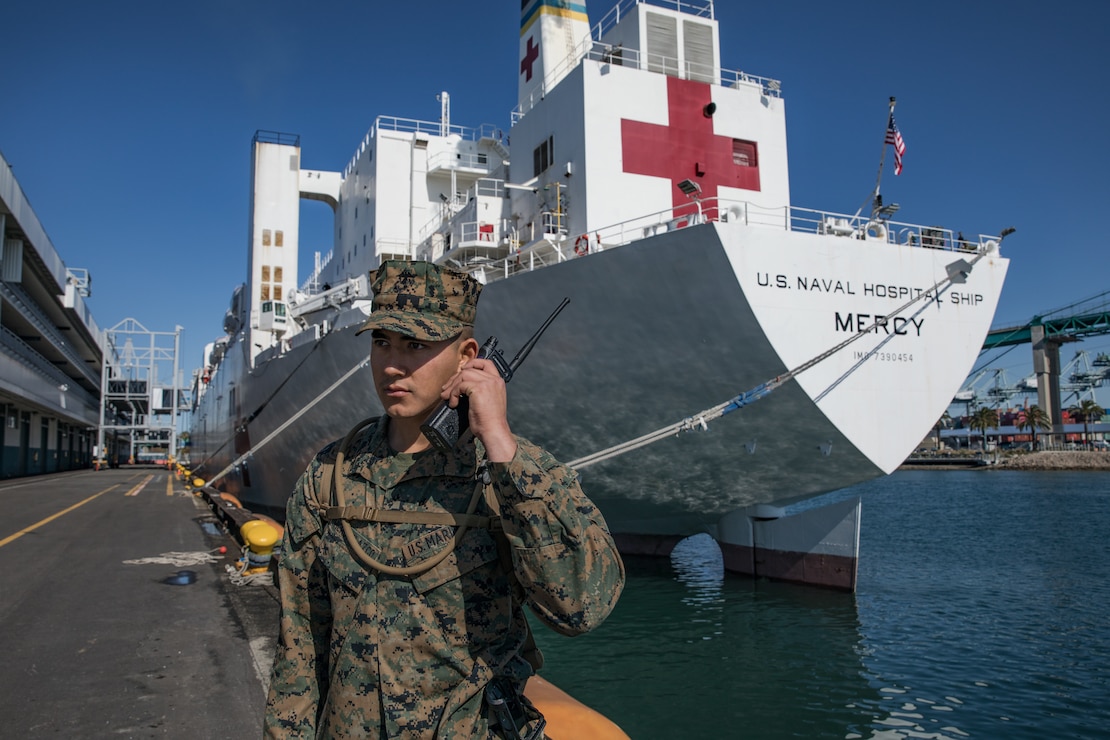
{"x": 484, "y": 388}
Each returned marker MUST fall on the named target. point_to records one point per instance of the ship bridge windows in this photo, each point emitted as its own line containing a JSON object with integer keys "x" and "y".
{"x": 272, "y": 317}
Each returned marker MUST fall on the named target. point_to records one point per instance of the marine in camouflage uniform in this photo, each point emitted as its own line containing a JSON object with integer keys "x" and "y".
{"x": 458, "y": 542}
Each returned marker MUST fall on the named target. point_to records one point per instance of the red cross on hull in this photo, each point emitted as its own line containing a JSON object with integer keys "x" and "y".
{"x": 687, "y": 148}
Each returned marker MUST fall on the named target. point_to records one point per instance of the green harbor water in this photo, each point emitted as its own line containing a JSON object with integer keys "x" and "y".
{"x": 983, "y": 611}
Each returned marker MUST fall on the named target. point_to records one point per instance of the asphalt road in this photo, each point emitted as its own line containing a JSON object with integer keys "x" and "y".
{"x": 95, "y": 646}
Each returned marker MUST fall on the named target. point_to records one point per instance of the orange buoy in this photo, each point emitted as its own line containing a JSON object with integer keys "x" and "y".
{"x": 568, "y": 718}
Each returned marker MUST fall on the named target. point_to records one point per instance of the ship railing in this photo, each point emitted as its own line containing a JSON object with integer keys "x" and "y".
{"x": 626, "y": 56}
{"x": 459, "y": 161}
{"x": 443, "y": 213}
{"x": 392, "y": 248}
{"x": 436, "y": 128}
{"x": 431, "y": 128}
{"x": 549, "y": 244}
{"x": 884, "y": 230}
{"x": 699, "y": 8}
{"x": 348, "y": 290}
{"x": 276, "y": 137}
{"x": 311, "y": 286}
{"x": 457, "y": 223}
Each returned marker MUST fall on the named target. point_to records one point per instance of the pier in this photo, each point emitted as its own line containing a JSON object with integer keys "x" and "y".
{"x": 103, "y": 635}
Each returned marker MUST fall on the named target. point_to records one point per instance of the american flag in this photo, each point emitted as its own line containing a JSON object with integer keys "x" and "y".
{"x": 894, "y": 137}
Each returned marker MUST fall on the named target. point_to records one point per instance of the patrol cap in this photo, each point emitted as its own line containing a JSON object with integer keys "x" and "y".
{"x": 422, "y": 300}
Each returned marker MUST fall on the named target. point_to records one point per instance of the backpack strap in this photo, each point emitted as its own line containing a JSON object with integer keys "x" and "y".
{"x": 335, "y": 481}
{"x": 370, "y": 514}
{"x": 334, "y": 509}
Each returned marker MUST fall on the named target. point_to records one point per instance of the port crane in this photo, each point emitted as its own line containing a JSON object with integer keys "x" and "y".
{"x": 990, "y": 386}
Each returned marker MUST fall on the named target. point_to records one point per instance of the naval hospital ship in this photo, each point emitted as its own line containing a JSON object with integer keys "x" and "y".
{"x": 648, "y": 185}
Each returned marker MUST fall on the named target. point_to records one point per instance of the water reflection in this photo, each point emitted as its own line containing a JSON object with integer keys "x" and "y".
{"x": 699, "y": 566}
{"x": 981, "y": 613}
{"x": 692, "y": 650}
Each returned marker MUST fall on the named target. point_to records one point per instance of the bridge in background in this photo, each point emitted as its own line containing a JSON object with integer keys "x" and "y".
{"x": 1046, "y": 333}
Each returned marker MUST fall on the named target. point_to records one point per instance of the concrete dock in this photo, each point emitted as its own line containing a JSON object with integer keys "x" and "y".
{"x": 96, "y": 642}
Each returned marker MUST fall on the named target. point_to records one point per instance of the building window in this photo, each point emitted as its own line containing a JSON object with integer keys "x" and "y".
{"x": 265, "y": 237}
{"x": 278, "y": 237}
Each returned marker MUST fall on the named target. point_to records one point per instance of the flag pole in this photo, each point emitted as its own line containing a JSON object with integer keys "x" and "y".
{"x": 876, "y": 198}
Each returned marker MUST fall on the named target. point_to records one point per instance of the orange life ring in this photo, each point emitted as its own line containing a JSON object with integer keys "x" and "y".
{"x": 582, "y": 245}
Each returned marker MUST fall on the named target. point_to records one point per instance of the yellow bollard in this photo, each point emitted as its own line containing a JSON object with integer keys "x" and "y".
{"x": 260, "y": 537}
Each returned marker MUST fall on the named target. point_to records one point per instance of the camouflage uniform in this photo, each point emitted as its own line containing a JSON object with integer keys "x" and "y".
{"x": 366, "y": 654}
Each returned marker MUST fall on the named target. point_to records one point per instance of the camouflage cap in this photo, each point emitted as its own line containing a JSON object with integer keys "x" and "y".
{"x": 422, "y": 300}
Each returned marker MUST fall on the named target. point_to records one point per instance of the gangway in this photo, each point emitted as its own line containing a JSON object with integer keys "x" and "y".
{"x": 142, "y": 395}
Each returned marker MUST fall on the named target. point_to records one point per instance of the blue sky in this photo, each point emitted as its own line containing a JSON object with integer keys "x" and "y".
{"x": 129, "y": 124}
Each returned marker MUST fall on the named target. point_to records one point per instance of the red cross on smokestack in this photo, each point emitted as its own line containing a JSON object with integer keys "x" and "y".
{"x": 530, "y": 57}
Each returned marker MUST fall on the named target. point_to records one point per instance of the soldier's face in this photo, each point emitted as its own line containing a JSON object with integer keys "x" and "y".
{"x": 409, "y": 374}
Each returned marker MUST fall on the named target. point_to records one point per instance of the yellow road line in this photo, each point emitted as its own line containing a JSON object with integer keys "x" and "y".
{"x": 169, "y": 484}
{"x": 135, "y": 491}
{"x": 52, "y": 517}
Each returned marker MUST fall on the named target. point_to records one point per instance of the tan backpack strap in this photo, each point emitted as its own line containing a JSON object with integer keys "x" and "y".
{"x": 349, "y": 533}
{"x": 325, "y": 488}
{"x": 408, "y": 570}
{"x": 370, "y": 514}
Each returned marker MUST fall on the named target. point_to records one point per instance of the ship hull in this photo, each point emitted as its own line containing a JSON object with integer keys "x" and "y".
{"x": 657, "y": 331}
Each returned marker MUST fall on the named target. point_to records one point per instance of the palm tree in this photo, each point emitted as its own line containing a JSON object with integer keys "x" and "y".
{"x": 1086, "y": 412}
{"x": 983, "y": 419}
{"x": 1034, "y": 418}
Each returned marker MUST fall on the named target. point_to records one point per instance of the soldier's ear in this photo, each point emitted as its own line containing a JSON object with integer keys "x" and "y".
{"x": 468, "y": 350}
